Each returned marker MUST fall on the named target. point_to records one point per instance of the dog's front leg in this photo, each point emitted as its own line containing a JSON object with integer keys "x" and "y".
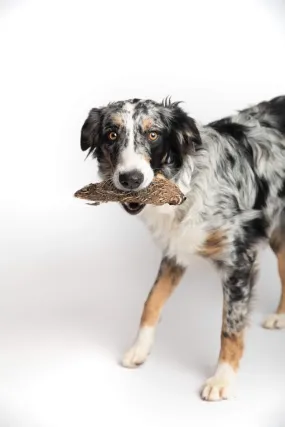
{"x": 238, "y": 283}
{"x": 167, "y": 279}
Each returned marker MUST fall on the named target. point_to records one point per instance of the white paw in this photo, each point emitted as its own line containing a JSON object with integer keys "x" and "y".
{"x": 138, "y": 353}
{"x": 275, "y": 321}
{"x": 135, "y": 357}
{"x": 217, "y": 389}
{"x": 221, "y": 385}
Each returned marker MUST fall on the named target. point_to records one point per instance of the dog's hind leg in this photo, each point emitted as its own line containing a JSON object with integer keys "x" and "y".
{"x": 277, "y": 243}
{"x": 167, "y": 279}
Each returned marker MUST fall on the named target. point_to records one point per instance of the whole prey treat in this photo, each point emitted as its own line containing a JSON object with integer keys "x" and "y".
{"x": 160, "y": 192}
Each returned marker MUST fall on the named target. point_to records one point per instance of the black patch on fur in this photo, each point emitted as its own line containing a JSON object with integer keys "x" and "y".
{"x": 167, "y": 149}
{"x": 231, "y": 159}
{"x": 179, "y": 138}
{"x": 183, "y": 127}
{"x": 228, "y": 128}
{"x": 225, "y": 334}
{"x": 255, "y": 230}
{"x": 252, "y": 232}
{"x": 262, "y": 193}
{"x": 238, "y": 133}
{"x": 281, "y": 192}
{"x": 91, "y": 130}
{"x": 234, "y": 285}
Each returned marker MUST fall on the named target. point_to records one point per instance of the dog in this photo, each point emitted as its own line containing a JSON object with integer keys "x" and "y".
{"x": 232, "y": 172}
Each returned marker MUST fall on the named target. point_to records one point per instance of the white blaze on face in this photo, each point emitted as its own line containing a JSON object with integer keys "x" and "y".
{"x": 129, "y": 159}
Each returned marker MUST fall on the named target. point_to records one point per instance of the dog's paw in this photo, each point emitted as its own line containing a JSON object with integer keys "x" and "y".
{"x": 217, "y": 388}
{"x": 135, "y": 357}
{"x": 274, "y": 321}
{"x": 138, "y": 353}
{"x": 222, "y": 385}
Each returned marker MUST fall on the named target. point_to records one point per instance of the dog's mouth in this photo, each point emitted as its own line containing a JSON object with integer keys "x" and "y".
{"x": 133, "y": 208}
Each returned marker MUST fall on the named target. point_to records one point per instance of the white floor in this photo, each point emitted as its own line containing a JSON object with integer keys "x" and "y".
{"x": 68, "y": 312}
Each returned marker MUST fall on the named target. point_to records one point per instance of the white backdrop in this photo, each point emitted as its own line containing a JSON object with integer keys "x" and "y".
{"x": 73, "y": 278}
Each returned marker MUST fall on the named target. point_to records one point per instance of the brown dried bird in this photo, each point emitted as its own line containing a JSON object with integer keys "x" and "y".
{"x": 160, "y": 192}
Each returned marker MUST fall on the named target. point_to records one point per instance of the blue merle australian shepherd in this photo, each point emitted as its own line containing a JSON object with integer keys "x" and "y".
{"x": 233, "y": 174}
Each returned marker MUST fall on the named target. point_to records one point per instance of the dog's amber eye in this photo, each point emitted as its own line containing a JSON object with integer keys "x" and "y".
{"x": 152, "y": 136}
{"x": 112, "y": 136}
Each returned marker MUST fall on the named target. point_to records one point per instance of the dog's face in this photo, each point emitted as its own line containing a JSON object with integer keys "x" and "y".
{"x": 132, "y": 140}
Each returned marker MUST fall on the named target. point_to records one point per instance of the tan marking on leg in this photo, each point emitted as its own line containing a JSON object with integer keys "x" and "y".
{"x": 281, "y": 269}
{"x": 167, "y": 280}
{"x": 213, "y": 245}
{"x": 277, "y": 319}
{"x": 222, "y": 384}
{"x": 232, "y": 344}
{"x": 232, "y": 347}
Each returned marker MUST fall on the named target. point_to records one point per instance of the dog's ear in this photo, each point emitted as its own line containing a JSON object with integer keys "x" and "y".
{"x": 185, "y": 129}
{"x": 90, "y": 130}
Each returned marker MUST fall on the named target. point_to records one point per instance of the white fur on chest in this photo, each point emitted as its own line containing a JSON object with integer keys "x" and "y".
{"x": 177, "y": 237}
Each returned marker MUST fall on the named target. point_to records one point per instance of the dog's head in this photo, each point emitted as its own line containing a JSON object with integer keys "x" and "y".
{"x": 133, "y": 140}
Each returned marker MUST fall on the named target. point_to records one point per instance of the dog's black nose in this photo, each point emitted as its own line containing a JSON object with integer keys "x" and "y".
{"x": 131, "y": 180}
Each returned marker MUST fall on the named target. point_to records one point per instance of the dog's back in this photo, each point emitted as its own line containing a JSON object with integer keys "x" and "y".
{"x": 269, "y": 114}
{"x": 255, "y": 139}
